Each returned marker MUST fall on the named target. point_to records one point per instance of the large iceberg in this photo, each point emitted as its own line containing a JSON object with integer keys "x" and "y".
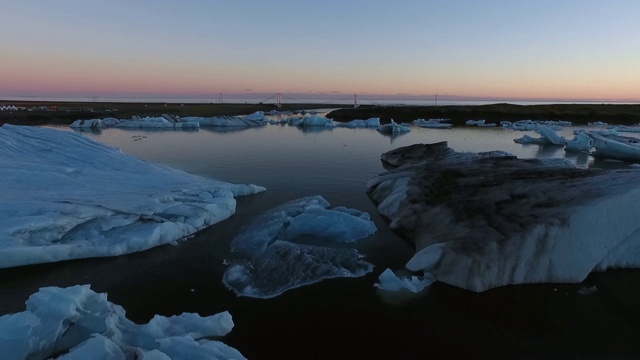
{"x": 65, "y": 196}
{"x": 77, "y": 323}
{"x": 481, "y": 221}
{"x": 299, "y": 243}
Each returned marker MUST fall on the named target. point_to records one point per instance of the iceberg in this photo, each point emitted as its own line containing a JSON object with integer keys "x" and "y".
{"x": 581, "y": 143}
{"x": 165, "y": 122}
{"x": 480, "y": 123}
{"x": 433, "y": 123}
{"x": 359, "y": 123}
{"x": 256, "y": 119}
{"x": 486, "y": 220}
{"x": 389, "y": 281}
{"x": 548, "y": 136}
{"x": 616, "y": 147}
{"x": 299, "y": 243}
{"x": 65, "y": 196}
{"x": 77, "y": 323}
{"x": 393, "y": 128}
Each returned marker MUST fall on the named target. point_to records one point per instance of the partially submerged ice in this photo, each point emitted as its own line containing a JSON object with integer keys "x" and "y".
{"x": 481, "y": 221}
{"x": 77, "y": 323}
{"x": 65, "y": 196}
{"x": 299, "y": 243}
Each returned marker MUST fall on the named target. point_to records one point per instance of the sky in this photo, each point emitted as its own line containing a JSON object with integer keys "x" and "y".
{"x": 524, "y": 49}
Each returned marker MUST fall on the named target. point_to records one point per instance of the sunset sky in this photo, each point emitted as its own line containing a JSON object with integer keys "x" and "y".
{"x": 556, "y": 49}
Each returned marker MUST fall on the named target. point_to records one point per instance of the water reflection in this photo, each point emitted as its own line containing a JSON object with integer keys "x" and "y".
{"x": 545, "y": 151}
{"x": 226, "y": 129}
{"x": 314, "y": 129}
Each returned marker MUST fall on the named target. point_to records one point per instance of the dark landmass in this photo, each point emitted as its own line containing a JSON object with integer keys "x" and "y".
{"x": 622, "y": 114}
{"x": 64, "y": 113}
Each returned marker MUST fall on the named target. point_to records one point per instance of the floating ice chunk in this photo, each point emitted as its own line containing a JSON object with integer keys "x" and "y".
{"x": 389, "y": 281}
{"x": 480, "y": 223}
{"x": 93, "y": 124}
{"x": 616, "y": 147}
{"x": 358, "y": 123}
{"x": 256, "y": 119}
{"x": 627, "y": 129}
{"x": 598, "y": 123}
{"x": 480, "y": 123}
{"x": 299, "y": 243}
{"x": 580, "y": 143}
{"x": 316, "y": 121}
{"x": 157, "y": 122}
{"x": 68, "y": 197}
{"x": 433, "y": 123}
{"x": 393, "y": 128}
{"x": 550, "y": 134}
{"x": 526, "y": 139}
{"x": 84, "y": 325}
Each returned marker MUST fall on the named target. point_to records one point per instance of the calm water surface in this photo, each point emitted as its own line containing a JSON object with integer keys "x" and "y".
{"x": 340, "y": 318}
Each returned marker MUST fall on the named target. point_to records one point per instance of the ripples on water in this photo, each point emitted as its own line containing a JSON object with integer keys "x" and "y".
{"x": 340, "y": 317}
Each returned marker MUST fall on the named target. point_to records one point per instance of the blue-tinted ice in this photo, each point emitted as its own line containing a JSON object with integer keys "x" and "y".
{"x": 299, "y": 243}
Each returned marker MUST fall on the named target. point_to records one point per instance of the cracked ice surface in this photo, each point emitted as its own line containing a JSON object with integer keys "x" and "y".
{"x": 65, "y": 196}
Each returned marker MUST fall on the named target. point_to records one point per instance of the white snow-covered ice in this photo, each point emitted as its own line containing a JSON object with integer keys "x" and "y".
{"x": 389, "y": 281}
{"x": 299, "y": 243}
{"x": 76, "y": 323}
{"x": 481, "y": 221}
{"x": 65, "y": 196}
{"x": 433, "y": 123}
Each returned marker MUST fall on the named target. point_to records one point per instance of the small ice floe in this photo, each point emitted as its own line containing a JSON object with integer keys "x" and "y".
{"x": 299, "y": 243}
{"x": 480, "y": 222}
{"x": 530, "y": 125}
{"x": 91, "y": 124}
{"x": 389, "y": 281}
{"x": 256, "y": 119}
{"x": 359, "y": 123}
{"x": 165, "y": 122}
{"x": 393, "y": 128}
{"x": 433, "y": 123}
{"x": 627, "y": 129}
{"x": 77, "y": 323}
{"x": 479, "y": 123}
{"x": 547, "y": 136}
{"x": 598, "y": 123}
{"x": 581, "y": 142}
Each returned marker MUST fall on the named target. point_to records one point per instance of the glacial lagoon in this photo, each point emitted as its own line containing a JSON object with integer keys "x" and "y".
{"x": 343, "y": 317}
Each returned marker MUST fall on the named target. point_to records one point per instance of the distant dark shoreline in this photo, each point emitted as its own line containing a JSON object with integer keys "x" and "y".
{"x": 64, "y": 113}
{"x": 580, "y": 114}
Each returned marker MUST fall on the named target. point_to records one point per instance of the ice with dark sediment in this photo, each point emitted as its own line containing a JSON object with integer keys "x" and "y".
{"x": 433, "y": 123}
{"x": 393, "y": 128}
{"x": 165, "y": 121}
{"x": 65, "y": 196}
{"x": 299, "y": 243}
{"x": 360, "y": 123}
{"x": 75, "y": 323}
{"x": 486, "y": 220}
{"x": 256, "y": 119}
